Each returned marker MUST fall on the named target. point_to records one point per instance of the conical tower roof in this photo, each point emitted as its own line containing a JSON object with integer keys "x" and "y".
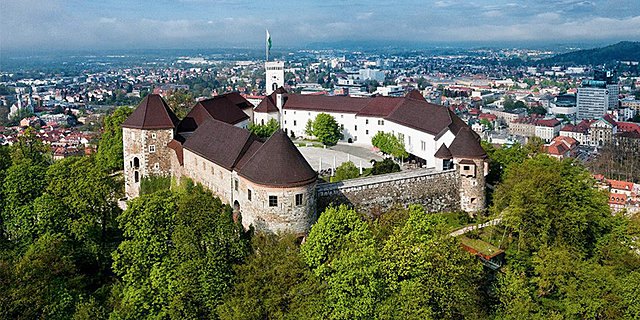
{"x": 443, "y": 153}
{"x": 278, "y": 163}
{"x": 152, "y": 113}
{"x": 467, "y": 145}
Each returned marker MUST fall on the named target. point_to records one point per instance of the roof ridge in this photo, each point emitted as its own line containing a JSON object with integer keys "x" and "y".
{"x": 260, "y": 147}
{"x": 244, "y": 149}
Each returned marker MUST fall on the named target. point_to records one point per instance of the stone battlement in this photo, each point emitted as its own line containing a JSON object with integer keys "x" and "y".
{"x": 436, "y": 190}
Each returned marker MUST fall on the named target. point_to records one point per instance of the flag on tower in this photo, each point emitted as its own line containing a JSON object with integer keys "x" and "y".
{"x": 268, "y": 44}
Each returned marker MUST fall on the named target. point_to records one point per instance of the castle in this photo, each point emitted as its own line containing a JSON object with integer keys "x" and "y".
{"x": 269, "y": 183}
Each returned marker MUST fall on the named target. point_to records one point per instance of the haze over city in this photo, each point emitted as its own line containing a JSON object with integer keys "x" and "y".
{"x": 119, "y": 24}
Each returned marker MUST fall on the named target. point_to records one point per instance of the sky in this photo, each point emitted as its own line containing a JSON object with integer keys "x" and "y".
{"x": 180, "y": 24}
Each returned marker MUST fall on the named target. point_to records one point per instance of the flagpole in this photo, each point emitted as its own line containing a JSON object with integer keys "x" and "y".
{"x": 266, "y": 46}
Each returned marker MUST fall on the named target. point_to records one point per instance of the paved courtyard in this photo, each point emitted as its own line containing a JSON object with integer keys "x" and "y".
{"x": 323, "y": 159}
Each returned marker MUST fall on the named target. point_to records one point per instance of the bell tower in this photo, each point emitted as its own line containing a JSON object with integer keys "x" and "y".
{"x": 274, "y": 71}
{"x": 145, "y": 135}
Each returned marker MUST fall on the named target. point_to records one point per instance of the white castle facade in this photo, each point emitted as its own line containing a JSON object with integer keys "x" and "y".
{"x": 269, "y": 183}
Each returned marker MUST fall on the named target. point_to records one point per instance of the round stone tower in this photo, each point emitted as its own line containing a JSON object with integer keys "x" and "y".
{"x": 145, "y": 135}
{"x": 471, "y": 164}
{"x": 282, "y": 185}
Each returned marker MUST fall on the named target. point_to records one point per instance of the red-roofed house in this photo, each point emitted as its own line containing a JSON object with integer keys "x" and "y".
{"x": 562, "y": 147}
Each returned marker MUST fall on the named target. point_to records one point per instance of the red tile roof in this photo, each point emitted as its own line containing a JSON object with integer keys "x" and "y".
{"x": 620, "y": 185}
{"x": 617, "y": 198}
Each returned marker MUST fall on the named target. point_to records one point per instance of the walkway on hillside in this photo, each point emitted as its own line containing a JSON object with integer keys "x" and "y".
{"x": 467, "y": 229}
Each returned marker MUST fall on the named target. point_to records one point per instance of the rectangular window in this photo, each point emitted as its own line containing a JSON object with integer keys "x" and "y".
{"x": 423, "y": 145}
{"x": 235, "y": 184}
{"x": 366, "y": 121}
{"x": 355, "y": 128}
{"x": 342, "y": 127}
{"x": 294, "y": 123}
{"x": 152, "y": 148}
{"x": 273, "y": 201}
{"x": 153, "y": 135}
{"x": 366, "y": 132}
{"x": 299, "y": 199}
{"x": 156, "y": 166}
{"x": 249, "y": 194}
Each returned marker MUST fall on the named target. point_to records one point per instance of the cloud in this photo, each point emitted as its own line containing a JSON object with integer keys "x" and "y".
{"x": 74, "y": 24}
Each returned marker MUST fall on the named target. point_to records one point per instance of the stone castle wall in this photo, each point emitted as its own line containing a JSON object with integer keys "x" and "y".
{"x": 234, "y": 190}
{"x": 436, "y": 190}
{"x": 156, "y": 161}
{"x": 286, "y": 216}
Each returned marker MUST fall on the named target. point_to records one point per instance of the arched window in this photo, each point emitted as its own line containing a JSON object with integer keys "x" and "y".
{"x": 274, "y": 86}
{"x": 136, "y": 163}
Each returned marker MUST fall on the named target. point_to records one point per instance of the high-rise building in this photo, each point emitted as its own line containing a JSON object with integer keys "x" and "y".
{"x": 596, "y": 96}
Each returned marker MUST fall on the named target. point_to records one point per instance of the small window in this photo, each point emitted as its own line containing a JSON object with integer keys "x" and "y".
{"x": 154, "y": 135}
{"x": 156, "y": 166}
{"x": 299, "y": 199}
{"x": 366, "y": 132}
{"x": 136, "y": 176}
{"x": 342, "y": 127}
{"x": 366, "y": 121}
{"x": 295, "y": 122}
{"x": 273, "y": 201}
{"x": 235, "y": 184}
{"x": 342, "y": 116}
{"x": 249, "y": 194}
{"x": 152, "y": 148}
{"x": 355, "y": 128}
{"x": 423, "y": 145}
{"x": 465, "y": 168}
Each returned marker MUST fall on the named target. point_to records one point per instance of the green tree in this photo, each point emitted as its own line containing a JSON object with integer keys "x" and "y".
{"x": 308, "y": 129}
{"x": 389, "y": 144}
{"x": 177, "y": 257}
{"x": 274, "y": 283}
{"x": 23, "y": 183}
{"x": 544, "y": 201}
{"x": 181, "y": 101}
{"x": 265, "y": 130}
{"x": 110, "y": 154}
{"x": 422, "y": 263}
{"x": 487, "y": 124}
{"x": 30, "y": 148}
{"x": 341, "y": 251}
{"x": 44, "y": 283}
{"x": 347, "y": 170}
{"x": 326, "y": 129}
{"x": 385, "y": 166}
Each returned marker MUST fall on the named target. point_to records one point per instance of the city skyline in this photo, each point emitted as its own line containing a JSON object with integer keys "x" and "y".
{"x": 117, "y": 24}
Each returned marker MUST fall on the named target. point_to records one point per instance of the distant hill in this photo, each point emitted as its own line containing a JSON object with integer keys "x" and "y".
{"x": 621, "y": 51}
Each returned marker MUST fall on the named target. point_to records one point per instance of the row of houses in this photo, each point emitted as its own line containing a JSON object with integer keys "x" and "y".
{"x": 623, "y": 195}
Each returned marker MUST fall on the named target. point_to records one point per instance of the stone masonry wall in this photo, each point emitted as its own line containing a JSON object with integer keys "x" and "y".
{"x": 436, "y": 191}
{"x": 136, "y": 144}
